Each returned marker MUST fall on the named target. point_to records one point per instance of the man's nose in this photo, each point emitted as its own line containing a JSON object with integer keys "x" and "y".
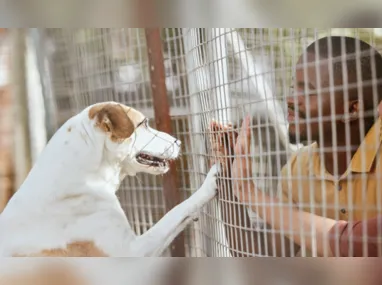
{"x": 295, "y": 99}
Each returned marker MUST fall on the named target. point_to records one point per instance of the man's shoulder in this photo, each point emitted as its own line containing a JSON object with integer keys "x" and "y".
{"x": 300, "y": 158}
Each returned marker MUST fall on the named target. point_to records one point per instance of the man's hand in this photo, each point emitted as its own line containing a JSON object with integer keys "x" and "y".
{"x": 227, "y": 143}
{"x": 242, "y": 165}
{"x": 222, "y": 141}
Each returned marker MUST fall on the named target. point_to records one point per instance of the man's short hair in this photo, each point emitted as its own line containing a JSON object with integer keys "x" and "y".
{"x": 351, "y": 50}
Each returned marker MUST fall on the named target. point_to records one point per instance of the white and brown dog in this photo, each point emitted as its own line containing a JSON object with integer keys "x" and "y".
{"x": 67, "y": 206}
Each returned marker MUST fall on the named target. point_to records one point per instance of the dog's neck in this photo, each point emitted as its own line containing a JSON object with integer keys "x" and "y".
{"x": 73, "y": 163}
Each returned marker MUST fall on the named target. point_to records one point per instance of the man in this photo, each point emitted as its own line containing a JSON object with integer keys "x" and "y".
{"x": 332, "y": 107}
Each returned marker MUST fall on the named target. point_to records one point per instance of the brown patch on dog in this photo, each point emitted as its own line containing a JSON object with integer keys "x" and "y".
{"x": 112, "y": 119}
{"x": 69, "y": 129}
{"x": 75, "y": 249}
{"x": 46, "y": 274}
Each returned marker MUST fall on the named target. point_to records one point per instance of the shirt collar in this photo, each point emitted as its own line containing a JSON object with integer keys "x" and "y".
{"x": 364, "y": 157}
{"x": 362, "y": 161}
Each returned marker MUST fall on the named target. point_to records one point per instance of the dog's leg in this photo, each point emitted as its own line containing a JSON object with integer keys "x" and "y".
{"x": 159, "y": 237}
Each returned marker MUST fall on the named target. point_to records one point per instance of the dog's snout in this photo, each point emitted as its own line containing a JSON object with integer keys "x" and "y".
{"x": 178, "y": 142}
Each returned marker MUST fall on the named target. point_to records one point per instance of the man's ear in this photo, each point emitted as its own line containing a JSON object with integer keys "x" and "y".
{"x": 112, "y": 119}
{"x": 354, "y": 112}
{"x": 380, "y": 109}
{"x": 355, "y": 106}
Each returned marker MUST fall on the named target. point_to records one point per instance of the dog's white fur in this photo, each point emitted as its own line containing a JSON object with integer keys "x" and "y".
{"x": 70, "y": 194}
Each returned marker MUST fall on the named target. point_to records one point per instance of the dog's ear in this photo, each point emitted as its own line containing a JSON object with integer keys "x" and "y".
{"x": 112, "y": 119}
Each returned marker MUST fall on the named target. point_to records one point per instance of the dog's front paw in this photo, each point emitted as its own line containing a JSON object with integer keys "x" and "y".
{"x": 206, "y": 192}
{"x": 210, "y": 186}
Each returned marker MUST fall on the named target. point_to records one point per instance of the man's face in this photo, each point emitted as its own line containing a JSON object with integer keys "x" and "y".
{"x": 308, "y": 108}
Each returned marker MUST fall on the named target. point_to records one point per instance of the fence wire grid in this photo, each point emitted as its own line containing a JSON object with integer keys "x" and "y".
{"x": 224, "y": 75}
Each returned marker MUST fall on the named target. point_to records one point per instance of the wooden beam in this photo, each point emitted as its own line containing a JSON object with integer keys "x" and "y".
{"x": 163, "y": 123}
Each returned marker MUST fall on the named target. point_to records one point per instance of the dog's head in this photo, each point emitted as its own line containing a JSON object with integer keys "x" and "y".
{"x": 130, "y": 140}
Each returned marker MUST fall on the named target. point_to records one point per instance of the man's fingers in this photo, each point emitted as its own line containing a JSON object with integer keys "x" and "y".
{"x": 224, "y": 134}
{"x": 245, "y": 130}
{"x": 216, "y": 126}
{"x": 243, "y": 141}
{"x": 247, "y": 127}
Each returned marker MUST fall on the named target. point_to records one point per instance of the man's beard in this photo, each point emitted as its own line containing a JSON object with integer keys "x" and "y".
{"x": 296, "y": 139}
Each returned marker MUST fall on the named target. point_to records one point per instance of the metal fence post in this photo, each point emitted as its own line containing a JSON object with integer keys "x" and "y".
{"x": 6, "y": 122}
{"x": 23, "y": 159}
{"x": 163, "y": 123}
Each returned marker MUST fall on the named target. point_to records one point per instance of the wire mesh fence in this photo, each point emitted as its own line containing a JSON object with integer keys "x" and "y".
{"x": 224, "y": 75}
{"x": 6, "y": 142}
